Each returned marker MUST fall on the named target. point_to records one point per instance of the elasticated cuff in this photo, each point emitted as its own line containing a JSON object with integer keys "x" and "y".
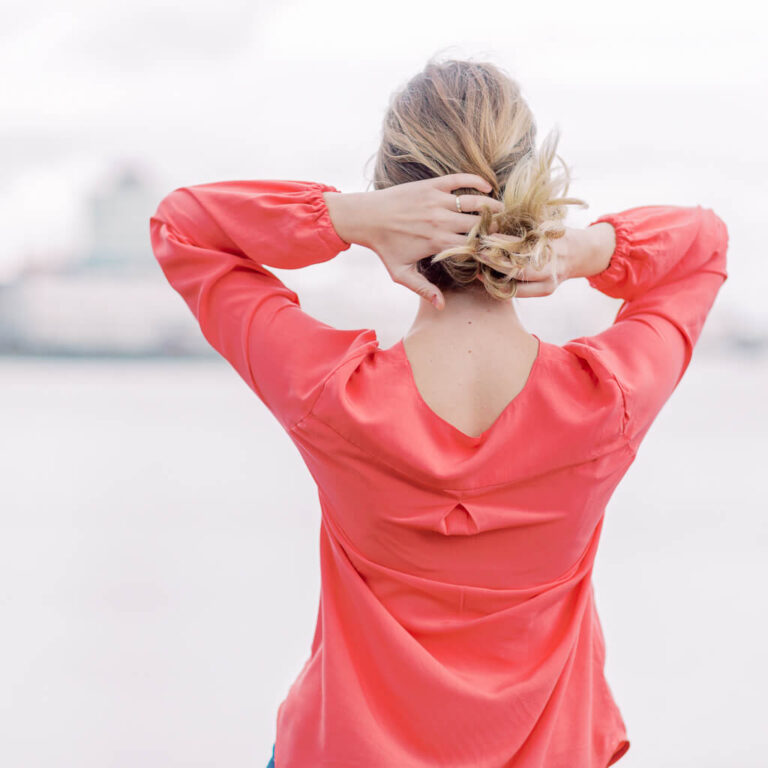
{"x": 613, "y": 277}
{"x": 325, "y": 228}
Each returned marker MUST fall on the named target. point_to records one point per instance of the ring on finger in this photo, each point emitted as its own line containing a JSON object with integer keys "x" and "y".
{"x": 458, "y": 204}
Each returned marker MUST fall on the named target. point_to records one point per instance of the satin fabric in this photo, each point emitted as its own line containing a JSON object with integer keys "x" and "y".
{"x": 457, "y": 623}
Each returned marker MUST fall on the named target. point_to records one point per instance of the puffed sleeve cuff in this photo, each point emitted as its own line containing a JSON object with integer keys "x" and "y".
{"x": 623, "y": 270}
{"x": 322, "y": 215}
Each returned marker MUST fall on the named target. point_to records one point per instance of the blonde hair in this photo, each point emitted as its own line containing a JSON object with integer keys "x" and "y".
{"x": 461, "y": 116}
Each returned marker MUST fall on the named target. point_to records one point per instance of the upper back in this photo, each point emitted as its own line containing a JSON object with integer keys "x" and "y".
{"x": 388, "y": 468}
{"x": 470, "y": 384}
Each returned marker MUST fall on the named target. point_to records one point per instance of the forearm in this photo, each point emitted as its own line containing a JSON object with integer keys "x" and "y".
{"x": 348, "y": 216}
{"x": 272, "y": 222}
{"x": 591, "y": 249}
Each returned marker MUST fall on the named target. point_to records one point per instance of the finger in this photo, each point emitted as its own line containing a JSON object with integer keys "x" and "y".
{"x": 533, "y": 275}
{"x": 473, "y": 203}
{"x": 419, "y": 284}
{"x": 534, "y": 288}
{"x": 451, "y": 240}
{"x": 463, "y": 222}
{"x": 457, "y": 180}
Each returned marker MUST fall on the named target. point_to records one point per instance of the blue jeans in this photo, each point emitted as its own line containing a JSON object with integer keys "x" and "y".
{"x": 271, "y": 763}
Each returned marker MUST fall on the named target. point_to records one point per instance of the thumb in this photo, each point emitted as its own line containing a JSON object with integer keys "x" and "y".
{"x": 419, "y": 284}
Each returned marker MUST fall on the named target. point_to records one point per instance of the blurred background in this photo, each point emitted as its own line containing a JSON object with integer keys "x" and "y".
{"x": 158, "y": 557}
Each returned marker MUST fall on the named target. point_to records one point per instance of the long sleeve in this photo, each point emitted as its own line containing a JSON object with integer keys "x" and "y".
{"x": 213, "y": 243}
{"x": 668, "y": 266}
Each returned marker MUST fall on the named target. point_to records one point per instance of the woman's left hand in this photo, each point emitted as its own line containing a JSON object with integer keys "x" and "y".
{"x": 408, "y": 222}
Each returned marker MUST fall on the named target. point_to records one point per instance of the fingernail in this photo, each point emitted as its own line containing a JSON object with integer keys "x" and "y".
{"x": 435, "y": 301}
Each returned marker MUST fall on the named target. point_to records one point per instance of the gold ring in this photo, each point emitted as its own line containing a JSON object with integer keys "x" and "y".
{"x": 458, "y": 204}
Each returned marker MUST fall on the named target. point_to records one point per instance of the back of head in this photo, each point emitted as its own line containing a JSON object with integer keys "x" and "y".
{"x": 461, "y": 116}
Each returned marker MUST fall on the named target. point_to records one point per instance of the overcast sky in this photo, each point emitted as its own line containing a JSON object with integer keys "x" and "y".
{"x": 662, "y": 102}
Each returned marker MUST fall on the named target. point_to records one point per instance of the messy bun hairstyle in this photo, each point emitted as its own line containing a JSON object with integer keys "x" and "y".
{"x": 461, "y": 116}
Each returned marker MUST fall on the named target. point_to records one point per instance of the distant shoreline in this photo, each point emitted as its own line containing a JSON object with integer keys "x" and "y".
{"x": 740, "y": 346}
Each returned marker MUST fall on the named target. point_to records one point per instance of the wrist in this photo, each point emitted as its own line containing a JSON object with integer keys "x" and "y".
{"x": 596, "y": 247}
{"x": 344, "y": 210}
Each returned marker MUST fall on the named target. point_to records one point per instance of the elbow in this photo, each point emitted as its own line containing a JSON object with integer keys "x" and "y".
{"x": 172, "y": 224}
{"x": 172, "y": 207}
{"x": 160, "y": 221}
{"x": 722, "y": 246}
{"x": 719, "y": 229}
{"x": 167, "y": 227}
{"x": 183, "y": 217}
{"x": 715, "y": 230}
{"x": 161, "y": 241}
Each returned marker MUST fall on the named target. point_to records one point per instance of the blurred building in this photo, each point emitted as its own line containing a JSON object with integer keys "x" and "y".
{"x": 113, "y": 300}
{"x": 119, "y": 222}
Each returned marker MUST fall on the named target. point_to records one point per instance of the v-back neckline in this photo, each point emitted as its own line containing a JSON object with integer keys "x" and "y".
{"x": 451, "y": 428}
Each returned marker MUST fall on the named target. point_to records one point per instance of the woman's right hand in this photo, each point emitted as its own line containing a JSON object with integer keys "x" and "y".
{"x": 578, "y": 253}
{"x": 408, "y": 222}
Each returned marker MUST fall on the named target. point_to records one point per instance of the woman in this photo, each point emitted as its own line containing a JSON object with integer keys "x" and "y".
{"x": 463, "y": 472}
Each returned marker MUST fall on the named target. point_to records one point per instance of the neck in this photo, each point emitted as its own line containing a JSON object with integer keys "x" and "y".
{"x": 472, "y": 310}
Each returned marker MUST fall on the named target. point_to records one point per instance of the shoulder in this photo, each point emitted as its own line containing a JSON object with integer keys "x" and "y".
{"x": 586, "y": 372}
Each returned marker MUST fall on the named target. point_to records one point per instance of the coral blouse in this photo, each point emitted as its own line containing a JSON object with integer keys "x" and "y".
{"x": 457, "y": 624}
